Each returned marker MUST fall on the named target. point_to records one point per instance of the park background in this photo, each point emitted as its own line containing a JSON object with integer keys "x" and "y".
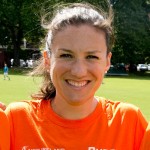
{"x": 21, "y": 33}
{"x": 134, "y": 88}
{"x": 22, "y": 36}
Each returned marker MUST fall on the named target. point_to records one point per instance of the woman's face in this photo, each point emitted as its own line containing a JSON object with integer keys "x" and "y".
{"x": 78, "y": 63}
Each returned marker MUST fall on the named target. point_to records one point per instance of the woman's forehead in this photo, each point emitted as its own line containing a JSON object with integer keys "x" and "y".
{"x": 82, "y": 37}
{"x": 83, "y": 30}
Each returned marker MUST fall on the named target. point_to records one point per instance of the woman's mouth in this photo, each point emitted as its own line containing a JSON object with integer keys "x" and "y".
{"x": 77, "y": 83}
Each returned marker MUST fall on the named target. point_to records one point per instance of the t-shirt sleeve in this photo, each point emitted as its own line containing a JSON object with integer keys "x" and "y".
{"x": 140, "y": 129}
{"x": 4, "y": 132}
{"x": 10, "y": 118}
{"x": 15, "y": 112}
{"x": 146, "y": 139}
{"x": 12, "y": 110}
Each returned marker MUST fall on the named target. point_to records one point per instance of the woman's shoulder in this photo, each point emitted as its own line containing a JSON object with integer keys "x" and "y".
{"x": 25, "y": 105}
{"x": 124, "y": 112}
{"x": 26, "y": 110}
{"x": 118, "y": 106}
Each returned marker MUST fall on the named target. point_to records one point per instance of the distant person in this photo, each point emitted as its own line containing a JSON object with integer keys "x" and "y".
{"x": 6, "y": 72}
{"x": 66, "y": 114}
{"x": 4, "y": 131}
{"x": 12, "y": 62}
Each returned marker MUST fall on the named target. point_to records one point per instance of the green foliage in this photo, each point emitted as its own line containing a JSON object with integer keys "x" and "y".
{"x": 132, "y": 29}
{"x": 18, "y": 21}
{"x": 22, "y": 19}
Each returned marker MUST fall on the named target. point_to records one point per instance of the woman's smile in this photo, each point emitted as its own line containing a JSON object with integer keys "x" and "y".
{"x": 77, "y": 84}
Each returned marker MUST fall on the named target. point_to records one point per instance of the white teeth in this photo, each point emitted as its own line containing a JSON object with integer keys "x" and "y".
{"x": 77, "y": 84}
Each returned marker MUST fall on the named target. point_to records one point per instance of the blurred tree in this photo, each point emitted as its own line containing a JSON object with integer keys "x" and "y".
{"x": 132, "y": 30}
{"x": 22, "y": 19}
{"x": 17, "y": 20}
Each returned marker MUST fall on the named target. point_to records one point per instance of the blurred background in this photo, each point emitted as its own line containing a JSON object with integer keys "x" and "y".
{"x": 21, "y": 34}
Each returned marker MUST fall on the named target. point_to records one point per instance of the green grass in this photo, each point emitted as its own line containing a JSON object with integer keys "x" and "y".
{"x": 135, "y": 90}
{"x": 132, "y": 89}
{"x": 20, "y": 86}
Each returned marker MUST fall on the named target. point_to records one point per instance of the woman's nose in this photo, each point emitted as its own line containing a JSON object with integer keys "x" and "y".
{"x": 79, "y": 68}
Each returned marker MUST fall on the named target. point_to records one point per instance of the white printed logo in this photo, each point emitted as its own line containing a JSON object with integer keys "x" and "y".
{"x": 89, "y": 148}
{"x": 27, "y": 148}
{"x": 94, "y": 148}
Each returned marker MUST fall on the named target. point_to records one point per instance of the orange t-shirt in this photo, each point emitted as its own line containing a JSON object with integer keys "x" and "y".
{"x": 4, "y": 132}
{"x": 146, "y": 140}
{"x": 112, "y": 126}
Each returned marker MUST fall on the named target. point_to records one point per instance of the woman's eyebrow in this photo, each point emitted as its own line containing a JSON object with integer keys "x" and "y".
{"x": 93, "y": 51}
{"x": 88, "y": 52}
{"x": 65, "y": 50}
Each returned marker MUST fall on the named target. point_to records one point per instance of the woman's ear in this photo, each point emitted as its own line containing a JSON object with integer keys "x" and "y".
{"x": 108, "y": 63}
{"x": 46, "y": 59}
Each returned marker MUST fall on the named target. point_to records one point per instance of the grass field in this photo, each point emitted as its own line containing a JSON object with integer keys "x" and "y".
{"x": 132, "y": 89}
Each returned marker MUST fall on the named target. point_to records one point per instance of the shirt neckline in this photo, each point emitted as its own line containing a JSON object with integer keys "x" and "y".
{"x": 56, "y": 119}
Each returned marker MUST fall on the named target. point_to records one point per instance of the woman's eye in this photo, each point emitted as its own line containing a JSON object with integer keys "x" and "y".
{"x": 92, "y": 57}
{"x": 66, "y": 56}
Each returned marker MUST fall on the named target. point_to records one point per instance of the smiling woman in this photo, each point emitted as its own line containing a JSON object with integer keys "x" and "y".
{"x": 78, "y": 67}
{"x": 77, "y": 55}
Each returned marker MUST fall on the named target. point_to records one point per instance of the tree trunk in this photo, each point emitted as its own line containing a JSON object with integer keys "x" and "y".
{"x": 16, "y": 42}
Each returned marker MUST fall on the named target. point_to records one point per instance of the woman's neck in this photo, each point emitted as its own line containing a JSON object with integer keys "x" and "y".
{"x": 73, "y": 112}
